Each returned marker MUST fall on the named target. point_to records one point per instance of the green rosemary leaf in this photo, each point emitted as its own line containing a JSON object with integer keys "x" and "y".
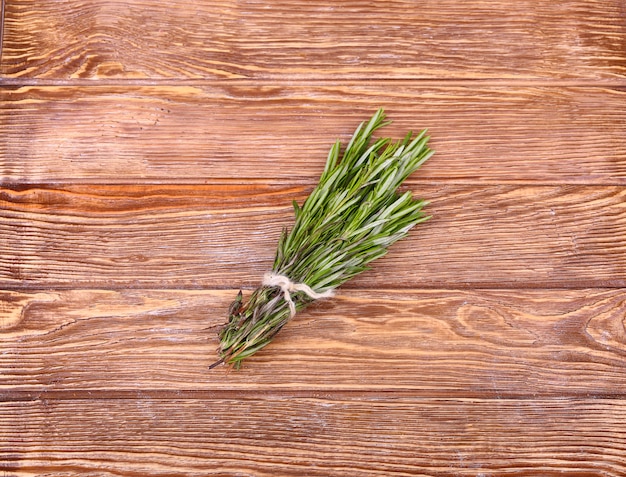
{"x": 351, "y": 218}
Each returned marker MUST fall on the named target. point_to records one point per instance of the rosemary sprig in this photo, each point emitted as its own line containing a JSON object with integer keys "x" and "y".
{"x": 351, "y": 218}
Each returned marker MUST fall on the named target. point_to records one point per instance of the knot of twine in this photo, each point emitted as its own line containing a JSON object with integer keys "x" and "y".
{"x": 287, "y": 287}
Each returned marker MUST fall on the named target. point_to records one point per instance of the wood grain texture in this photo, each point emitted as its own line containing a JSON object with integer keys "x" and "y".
{"x": 300, "y": 39}
{"x": 1, "y": 30}
{"x": 150, "y": 152}
{"x": 315, "y": 437}
{"x": 500, "y": 344}
{"x": 226, "y": 236}
{"x": 282, "y": 132}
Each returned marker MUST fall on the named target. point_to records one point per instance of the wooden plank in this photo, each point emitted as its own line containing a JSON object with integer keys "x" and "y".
{"x": 1, "y": 30}
{"x": 67, "y": 39}
{"x": 427, "y": 343}
{"x": 243, "y": 130}
{"x": 226, "y": 235}
{"x": 314, "y": 437}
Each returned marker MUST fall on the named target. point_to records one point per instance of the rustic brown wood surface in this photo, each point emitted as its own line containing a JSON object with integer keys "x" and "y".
{"x": 164, "y": 236}
{"x": 149, "y": 154}
{"x": 317, "y": 436}
{"x": 427, "y": 343}
{"x": 150, "y": 39}
{"x": 218, "y": 130}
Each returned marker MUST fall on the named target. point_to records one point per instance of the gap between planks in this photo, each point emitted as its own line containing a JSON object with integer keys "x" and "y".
{"x": 277, "y": 394}
{"x": 25, "y": 184}
{"x": 616, "y": 83}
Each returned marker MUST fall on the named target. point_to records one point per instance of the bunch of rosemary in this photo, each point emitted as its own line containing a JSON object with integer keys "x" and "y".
{"x": 353, "y": 215}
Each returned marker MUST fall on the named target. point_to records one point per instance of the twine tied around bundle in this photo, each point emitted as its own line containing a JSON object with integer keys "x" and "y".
{"x": 287, "y": 287}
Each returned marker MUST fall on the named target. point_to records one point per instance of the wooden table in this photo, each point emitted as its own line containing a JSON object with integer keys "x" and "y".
{"x": 149, "y": 154}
